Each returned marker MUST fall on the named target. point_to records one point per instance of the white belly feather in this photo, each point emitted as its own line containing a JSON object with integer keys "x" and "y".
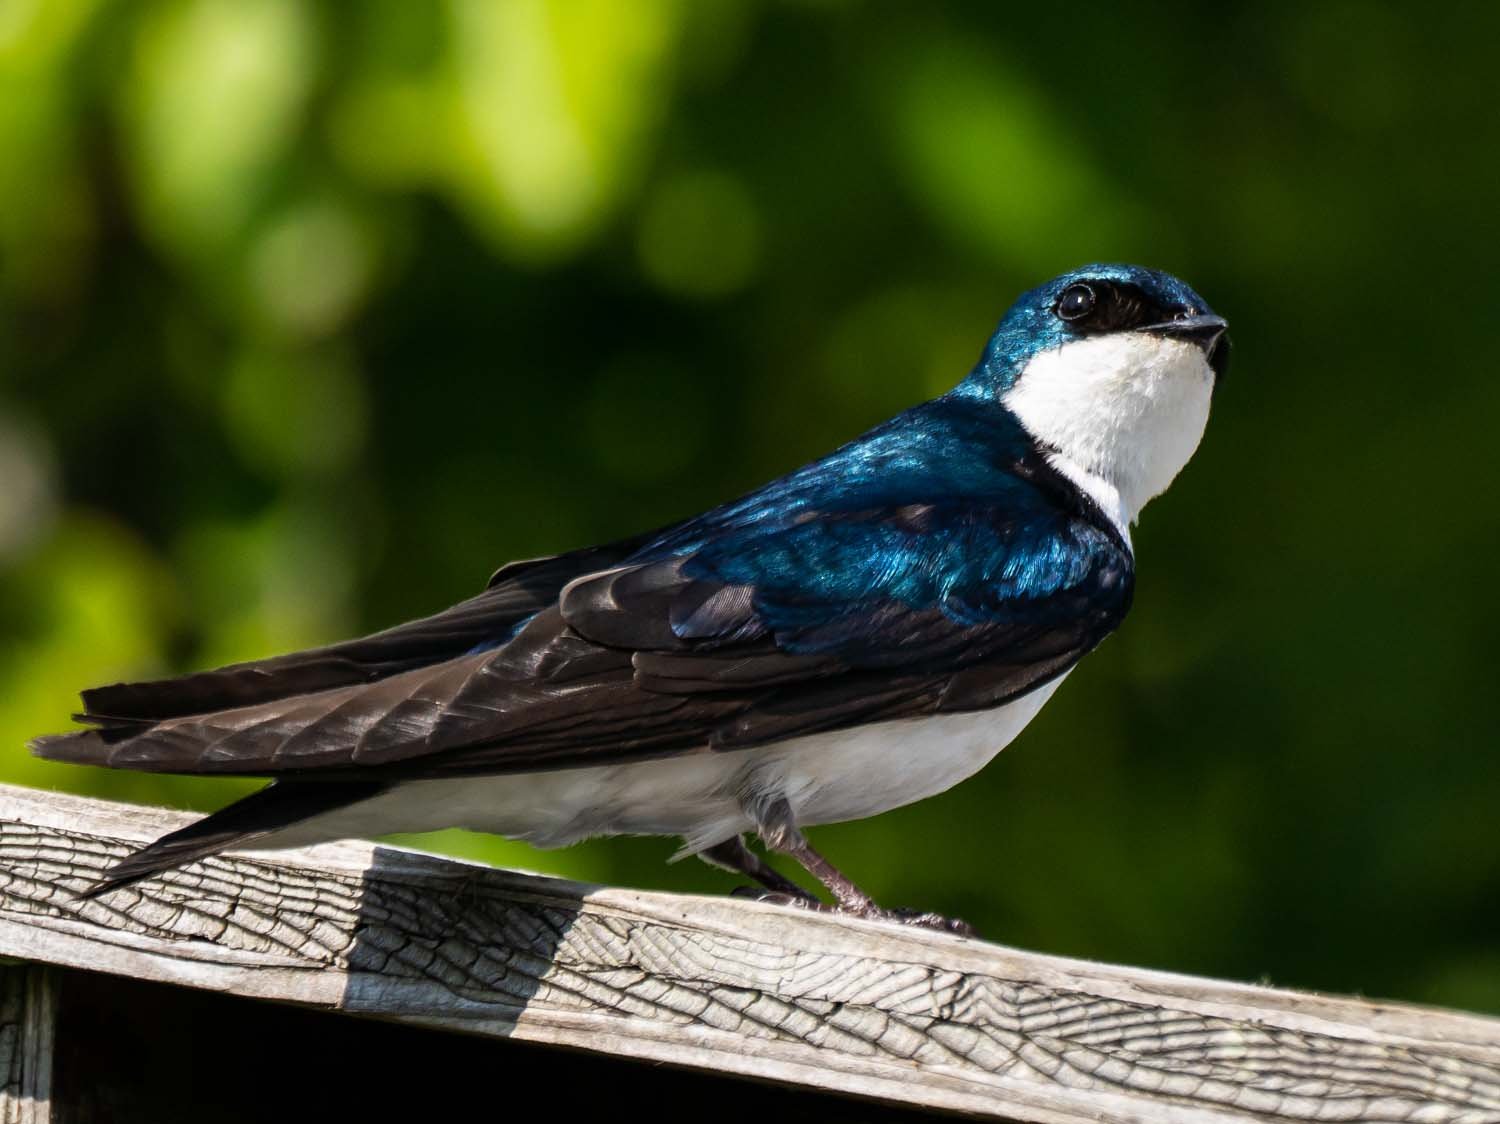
{"x": 826, "y": 778}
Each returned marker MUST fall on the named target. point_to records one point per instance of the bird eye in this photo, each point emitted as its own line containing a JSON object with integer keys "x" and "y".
{"x": 1076, "y": 302}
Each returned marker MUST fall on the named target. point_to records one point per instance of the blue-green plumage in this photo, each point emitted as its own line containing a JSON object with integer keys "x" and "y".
{"x": 948, "y": 508}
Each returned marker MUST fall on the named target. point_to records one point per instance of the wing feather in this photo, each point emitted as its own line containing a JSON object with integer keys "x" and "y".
{"x": 515, "y": 593}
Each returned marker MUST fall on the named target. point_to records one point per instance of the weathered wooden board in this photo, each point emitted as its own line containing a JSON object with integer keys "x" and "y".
{"x": 728, "y": 986}
{"x": 28, "y": 1009}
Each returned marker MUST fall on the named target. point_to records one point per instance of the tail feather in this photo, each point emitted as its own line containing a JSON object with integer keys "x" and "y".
{"x": 82, "y": 747}
{"x": 279, "y": 805}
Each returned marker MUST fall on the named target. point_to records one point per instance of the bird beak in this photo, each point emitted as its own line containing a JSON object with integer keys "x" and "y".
{"x": 1205, "y": 331}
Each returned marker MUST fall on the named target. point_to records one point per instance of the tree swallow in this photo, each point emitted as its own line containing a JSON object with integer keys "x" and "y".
{"x": 860, "y": 634}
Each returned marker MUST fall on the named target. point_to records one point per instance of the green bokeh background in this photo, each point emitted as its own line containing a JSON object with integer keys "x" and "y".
{"x": 312, "y": 314}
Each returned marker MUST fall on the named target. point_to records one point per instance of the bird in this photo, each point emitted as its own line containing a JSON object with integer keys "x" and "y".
{"x": 862, "y": 633}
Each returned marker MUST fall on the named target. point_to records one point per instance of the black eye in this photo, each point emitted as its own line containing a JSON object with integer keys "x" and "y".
{"x": 1076, "y": 302}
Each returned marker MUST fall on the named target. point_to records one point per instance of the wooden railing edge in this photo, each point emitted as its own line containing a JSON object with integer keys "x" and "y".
{"x": 809, "y": 1000}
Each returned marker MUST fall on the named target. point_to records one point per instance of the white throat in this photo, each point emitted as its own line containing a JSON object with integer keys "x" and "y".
{"x": 1123, "y": 412}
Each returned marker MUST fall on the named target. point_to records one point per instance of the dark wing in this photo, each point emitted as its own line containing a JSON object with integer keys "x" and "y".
{"x": 737, "y": 635}
{"x": 515, "y": 593}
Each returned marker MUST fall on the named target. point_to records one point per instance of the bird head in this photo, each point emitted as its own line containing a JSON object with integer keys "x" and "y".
{"x": 1111, "y": 369}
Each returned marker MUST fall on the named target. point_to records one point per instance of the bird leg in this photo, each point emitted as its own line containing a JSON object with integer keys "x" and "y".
{"x": 779, "y": 832}
{"x": 734, "y": 856}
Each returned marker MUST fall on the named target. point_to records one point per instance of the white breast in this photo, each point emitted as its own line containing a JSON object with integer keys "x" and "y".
{"x": 1124, "y": 411}
{"x": 842, "y": 775}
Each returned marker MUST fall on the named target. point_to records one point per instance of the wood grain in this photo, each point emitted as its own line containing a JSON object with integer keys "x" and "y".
{"x": 28, "y": 1012}
{"x": 725, "y": 985}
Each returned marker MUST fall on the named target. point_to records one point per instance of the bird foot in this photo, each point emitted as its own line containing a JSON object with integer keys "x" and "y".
{"x": 918, "y": 919}
{"x": 871, "y": 912}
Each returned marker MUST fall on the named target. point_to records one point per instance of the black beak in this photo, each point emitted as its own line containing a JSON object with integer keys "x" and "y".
{"x": 1208, "y": 332}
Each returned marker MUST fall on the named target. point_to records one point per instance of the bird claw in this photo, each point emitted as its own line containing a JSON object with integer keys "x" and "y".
{"x": 779, "y": 897}
{"x": 920, "y": 920}
{"x": 915, "y": 918}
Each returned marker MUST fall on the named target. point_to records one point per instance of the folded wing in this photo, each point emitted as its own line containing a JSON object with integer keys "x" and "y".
{"x": 726, "y": 637}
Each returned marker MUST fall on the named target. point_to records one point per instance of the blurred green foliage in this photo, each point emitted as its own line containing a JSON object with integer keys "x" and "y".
{"x": 312, "y": 314}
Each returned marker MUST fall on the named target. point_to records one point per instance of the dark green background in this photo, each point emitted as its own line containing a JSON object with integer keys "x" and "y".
{"x": 310, "y": 315}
